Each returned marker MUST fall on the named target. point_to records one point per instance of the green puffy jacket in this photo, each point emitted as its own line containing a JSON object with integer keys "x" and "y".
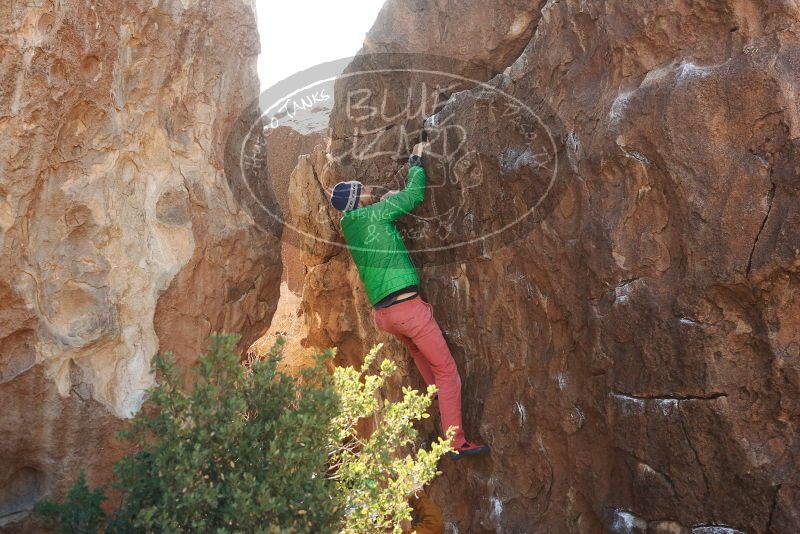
{"x": 375, "y": 243}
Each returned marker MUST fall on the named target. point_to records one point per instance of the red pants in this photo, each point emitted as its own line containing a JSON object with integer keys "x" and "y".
{"x": 412, "y": 322}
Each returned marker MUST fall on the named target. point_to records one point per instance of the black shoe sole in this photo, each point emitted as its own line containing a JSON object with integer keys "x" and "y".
{"x": 472, "y": 452}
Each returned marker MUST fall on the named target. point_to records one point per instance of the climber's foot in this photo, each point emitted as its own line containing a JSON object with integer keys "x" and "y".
{"x": 468, "y": 449}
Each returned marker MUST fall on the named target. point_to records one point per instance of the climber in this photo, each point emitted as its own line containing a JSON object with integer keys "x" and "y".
{"x": 392, "y": 286}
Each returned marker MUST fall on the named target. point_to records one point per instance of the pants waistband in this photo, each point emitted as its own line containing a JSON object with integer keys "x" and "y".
{"x": 383, "y": 305}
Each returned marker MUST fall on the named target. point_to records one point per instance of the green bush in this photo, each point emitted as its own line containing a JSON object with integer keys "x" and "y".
{"x": 79, "y": 513}
{"x": 256, "y": 450}
{"x": 375, "y": 475}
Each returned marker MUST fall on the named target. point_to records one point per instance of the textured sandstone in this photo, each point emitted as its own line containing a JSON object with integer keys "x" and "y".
{"x": 283, "y": 145}
{"x": 120, "y": 235}
{"x": 632, "y": 354}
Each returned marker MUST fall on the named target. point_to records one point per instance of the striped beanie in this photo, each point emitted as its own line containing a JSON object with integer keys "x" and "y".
{"x": 345, "y": 195}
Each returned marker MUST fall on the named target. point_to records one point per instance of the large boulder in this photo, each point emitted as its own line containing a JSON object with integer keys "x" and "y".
{"x": 120, "y": 235}
{"x": 629, "y": 348}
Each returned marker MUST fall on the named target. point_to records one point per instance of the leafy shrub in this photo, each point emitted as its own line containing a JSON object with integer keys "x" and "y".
{"x": 80, "y": 512}
{"x": 374, "y": 478}
{"x": 252, "y": 449}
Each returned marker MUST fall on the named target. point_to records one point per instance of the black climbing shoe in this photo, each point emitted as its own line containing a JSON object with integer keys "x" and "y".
{"x": 468, "y": 449}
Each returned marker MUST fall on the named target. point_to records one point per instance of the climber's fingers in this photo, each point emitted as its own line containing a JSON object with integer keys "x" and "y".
{"x": 419, "y": 148}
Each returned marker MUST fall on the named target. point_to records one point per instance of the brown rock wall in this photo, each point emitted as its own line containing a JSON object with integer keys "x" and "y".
{"x": 630, "y": 349}
{"x": 119, "y": 235}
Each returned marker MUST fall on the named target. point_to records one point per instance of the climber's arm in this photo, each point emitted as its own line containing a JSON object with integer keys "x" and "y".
{"x": 397, "y": 205}
{"x": 409, "y": 198}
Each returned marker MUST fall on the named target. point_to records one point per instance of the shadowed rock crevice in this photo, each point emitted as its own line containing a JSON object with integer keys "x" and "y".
{"x": 20, "y": 492}
{"x": 670, "y": 397}
{"x": 770, "y": 198}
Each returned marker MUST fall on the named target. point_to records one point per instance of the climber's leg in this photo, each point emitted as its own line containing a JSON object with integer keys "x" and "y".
{"x": 419, "y": 359}
{"x": 425, "y": 333}
{"x": 414, "y": 319}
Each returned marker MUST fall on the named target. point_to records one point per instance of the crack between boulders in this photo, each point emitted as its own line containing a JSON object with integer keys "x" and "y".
{"x": 771, "y": 198}
{"x": 772, "y": 508}
{"x": 713, "y": 525}
{"x": 675, "y": 397}
{"x": 534, "y": 33}
{"x": 321, "y": 191}
{"x": 699, "y": 462}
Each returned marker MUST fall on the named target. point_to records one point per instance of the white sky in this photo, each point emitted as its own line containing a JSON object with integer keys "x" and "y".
{"x": 299, "y": 34}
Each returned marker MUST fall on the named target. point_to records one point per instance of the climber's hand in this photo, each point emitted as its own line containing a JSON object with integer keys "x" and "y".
{"x": 419, "y": 148}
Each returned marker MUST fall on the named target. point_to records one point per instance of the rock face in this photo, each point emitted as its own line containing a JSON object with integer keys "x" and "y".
{"x": 282, "y": 147}
{"x": 630, "y": 349}
{"x": 119, "y": 234}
